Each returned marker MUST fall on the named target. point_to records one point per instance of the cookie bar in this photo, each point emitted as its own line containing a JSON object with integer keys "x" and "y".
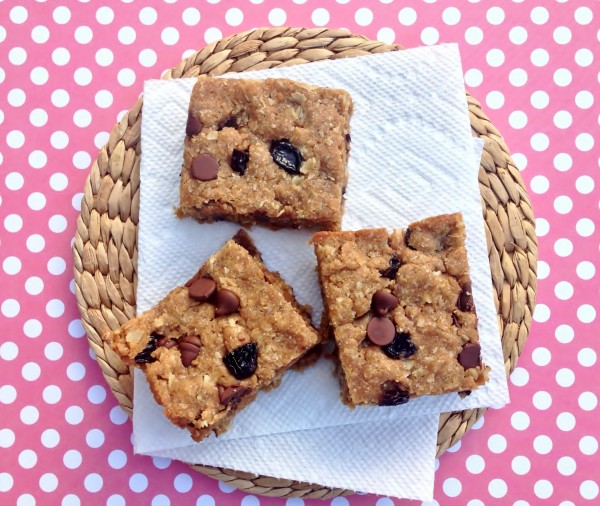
{"x": 208, "y": 347}
{"x": 401, "y": 310}
{"x": 268, "y": 151}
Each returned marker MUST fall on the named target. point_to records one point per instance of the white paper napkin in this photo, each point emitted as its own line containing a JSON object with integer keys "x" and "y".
{"x": 412, "y": 157}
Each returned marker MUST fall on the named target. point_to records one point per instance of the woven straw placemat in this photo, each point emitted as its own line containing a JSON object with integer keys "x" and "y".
{"x": 105, "y": 248}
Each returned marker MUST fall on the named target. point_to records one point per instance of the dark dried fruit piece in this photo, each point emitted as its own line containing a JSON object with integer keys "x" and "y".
{"x": 383, "y": 302}
{"x": 226, "y": 302}
{"x": 231, "y": 122}
{"x": 166, "y": 342}
{"x": 189, "y": 347}
{"x": 393, "y": 394}
{"x": 242, "y": 361}
{"x": 204, "y": 168}
{"x": 407, "y": 235}
{"x": 380, "y": 330}
{"x": 239, "y": 160}
{"x": 456, "y": 321}
{"x": 202, "y": 289}
{"x": 400, "y": 347}
{"x": 145, "y": 356}
{"x": 470, "y": 356}
{"x": 194, "y": 125}
{"x": 465, "y": 299}
{"x": 286, "y": 155}
{"x": 231, "y": 396}
{"x": 390, "y": 272}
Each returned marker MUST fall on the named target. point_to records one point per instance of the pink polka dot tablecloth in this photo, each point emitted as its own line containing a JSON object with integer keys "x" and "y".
{"x": 68, "y": 71}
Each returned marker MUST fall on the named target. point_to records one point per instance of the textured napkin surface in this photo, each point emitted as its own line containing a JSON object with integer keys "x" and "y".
{"x": 412, "y": 155}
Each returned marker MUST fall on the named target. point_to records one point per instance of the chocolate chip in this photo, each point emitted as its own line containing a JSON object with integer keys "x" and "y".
{"x": 232, "y": 395}
{"x": 242, "y": 361}
{"x": 194, "y": 125}
{"x": 407, "y": 235}
{"x": 226, "y": 302}
{"x": 380, "y": 330}
{"x": 202, "y": 289}
{"x": 239, "y": 160}
{"x": 166, "y": 342}
{"x": 393, "y": 394}
{"x": 401, "y": 347}
{"x": 204, "y": 168}
{"x": 189, "y": 347}
{"x": 465, "y": 299}
{"x": 390, "y": 272}
{"x": 286, "y": 155}
{"x": 231, "y": 122}
{"x": 470, "y": 356}
{"x": 145, "y": 356}
{"x": 383, "y": 302}
{"x": 348, "y": 138}
{"x": 456, "y": 321}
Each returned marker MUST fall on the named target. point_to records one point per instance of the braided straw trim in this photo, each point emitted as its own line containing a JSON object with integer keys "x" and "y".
{"x": 105, "y": 246}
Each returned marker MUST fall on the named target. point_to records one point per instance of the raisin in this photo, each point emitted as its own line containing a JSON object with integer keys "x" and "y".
{"x": 393, "y": 394}
{"x": 390, "y": 272}
{"x": 407, "y": 235}
{"x": 145, "y": 356}
{"x": 465, "y": 299}
{"x": 242, "y": 361}
{"x": 286, "y": 155}
{"x": 231, "y": 122}
{"x": 239, "y": 161}
{"x": 400, "y": 347}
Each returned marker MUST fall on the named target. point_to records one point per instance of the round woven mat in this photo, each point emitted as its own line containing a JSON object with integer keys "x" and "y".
{"x": 105, "y": 248}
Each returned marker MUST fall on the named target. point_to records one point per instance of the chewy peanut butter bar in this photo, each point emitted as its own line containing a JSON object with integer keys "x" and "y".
{"x": 268, "y": 151}
{"x": 208, "y": 347}
{"x": 401, "y": 310}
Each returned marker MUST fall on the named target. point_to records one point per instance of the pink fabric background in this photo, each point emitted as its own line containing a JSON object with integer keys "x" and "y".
{"x": 67, "y": 72}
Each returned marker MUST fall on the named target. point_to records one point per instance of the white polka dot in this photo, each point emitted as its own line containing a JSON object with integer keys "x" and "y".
{"x": 14, "y": 181}
{"x": 148, "y": 16}
{"x": 73, "y": 415}
{"x": 60, "y": 98}
{"x": 494, "y": 57}
{"x": 539, "y": 15}
{"x": 541, "y": 313}
{"x": 566, "y": 466}
{"x": 207, "y": 500}
{"x": 586, "y": 313}
{"x": 55, "y": 308}
{"x": 386, "y": 35}
{"x": 563, "y": 162}
{"x": 540, "y": 99}
{"x": 494, "y": 99}
{"x": 562, "y": 35}
{"x": 474, "y": 35}
{"x": 451, "y": 16}
{"x": 584, "y": 142}
{"x": 517, "y": 77}
{"x": 15, "y": 139}
{"x": 32, "y": 328}
{"x": 103, "y": 99}
{"x": 430, "y": 35}
{"x": 56, "y": 266}
{"x": 27, "y": 459}
{"x": 539, "y": 57}
{"x": 50, "y": 438}
{"x": 517, "y": 119}
{"x": 497, "y": 488}
{"x": 138, "y": 482}
{"x": 82, "y": 76}
{"x": 584, "y": 57}
{"x": 118, "y": 416}
{"x": 520, "y": 420}
{"x": 104, "y": 57}
{"x": 455, "y": 447}
{"x": 8, "y": 394}
{"x": 564, "y": 333}
{"x": 82, "y": 118}
{"x": 585, "y": 227}
{"x": 160, "y": 462}
{"x": 17, "y": 56}
{"x": 29, "y": 415}
{"x": 541, "y": 356}
{"x": 543, "y": 489}
{"x": 36, "y": 201}
{"x": 234, "y": 16}
{"x": 542, "y": 400}
{"x": 10, "y": 308}
{"x": 59, "y": 140}
{"x": 147, "y": 57}
{"x": 183, "y": 483}
{"x": 475, "y": 464}
{"x": 18, "y": 15}
{"x": 473, "y": 77}
{"x": 105, "y": 15}
{"x": 94, "y": 438}
{"x": 250, "y": 500}
{"x": 587, "y": 401}
{"x": 115, "y": 500}
{"x": 96, "y": 394}
{"x": 70, "y": 500}
{"x": 76, "y": 371}
{"x": 521, "y": 465}
{"x": 563, "y": 119}
{"x": 320, "y": 16}
{"x": 117, "y": 459}
{"x": 31, "y": 371}
{"x": 452, "y": 487}
{"x": 363, "y": 16}
{"x": 562, "y": 77}
{"x": 34, "y": 285}
{"x": 8, "y": 350}
{"x": 11, "y": 265}
{"x": 497, "y": 443}
{"x": 495, "y": 16}
{"x": 563, "y": 290}
{"x": 584, "y": 99}
{"x": 51, "y": 394}
{"x": 61, "y": 15}
{"x": 126, "y": 77}
{"x": 16, "y": 97}
{"x": 61, "y": 56}
{"x": 7, "y": 438}
{"x": 519, "y": 377}
{"x": 26, "y": 500}
{"x": 53, "y": 351}
{"x": 542, "y": 225}
{"x": 542, "y": 445}
{"x": 226, "y": 488}
{"x": 13, "y": 223}
{"x": 48, "y": 482}
{"x": 588, "y": 445}
{"x": 39, "y": 76}
{"x": 407, "y": 16}
{"x": 565, "y": 421}
{"x": 191, "y": 16}
{"x": 170, "y": 36}
{"x": 583, "y": 15}
{"x": 84, "y": 34}
{"x": 518, "y": 35}
{"x": 589, "y": 490}
{"x": 277, "y": 17}
{"x": 585, "y": 270}
{"x": 93, "y": 482}
{"x": 76, "y": 329}
{"x": 563, "y": 204}
{"x": 38, "y": 117}
{"x": 37, "y": 159}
